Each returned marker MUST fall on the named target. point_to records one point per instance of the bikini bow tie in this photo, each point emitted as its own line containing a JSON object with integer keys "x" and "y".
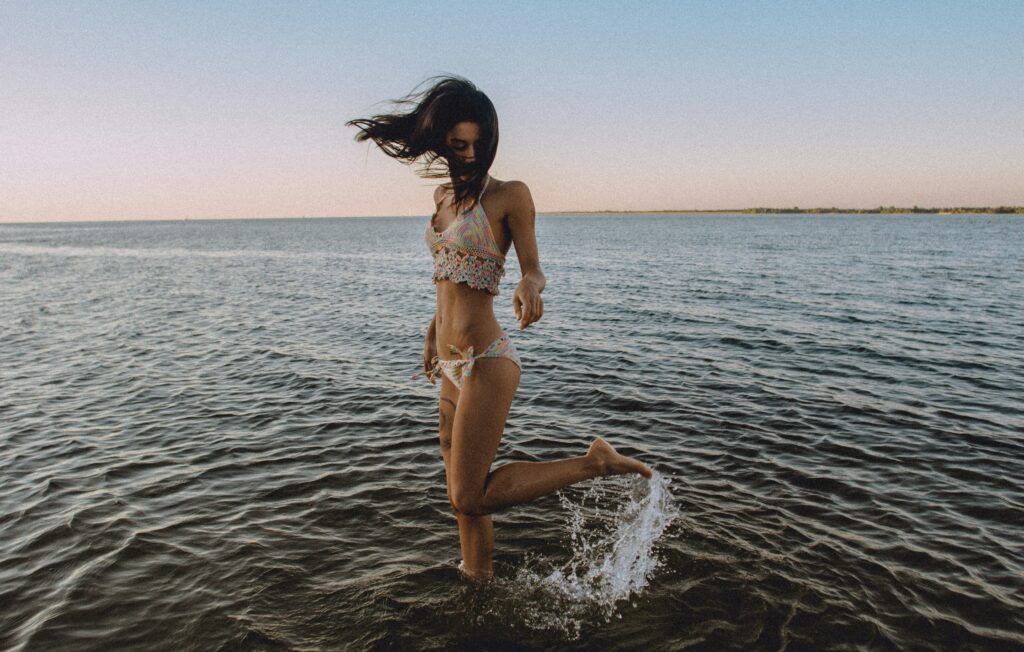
{"x": 465, "y": 354}
{"x": 466, "y": 359}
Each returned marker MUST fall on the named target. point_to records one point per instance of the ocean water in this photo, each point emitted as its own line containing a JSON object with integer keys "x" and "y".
{"x": 211, "y": 441}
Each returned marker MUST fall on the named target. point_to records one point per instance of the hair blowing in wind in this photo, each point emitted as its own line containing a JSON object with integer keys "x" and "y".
{"x": 418, "y": 126}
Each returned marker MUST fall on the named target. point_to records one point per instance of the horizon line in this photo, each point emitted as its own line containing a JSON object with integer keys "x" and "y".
{"x": 876, "y": 210}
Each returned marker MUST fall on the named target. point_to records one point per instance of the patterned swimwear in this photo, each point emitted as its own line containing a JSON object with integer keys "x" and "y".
{"x": 467, "y": 252}
{"x": 459, "y": 368}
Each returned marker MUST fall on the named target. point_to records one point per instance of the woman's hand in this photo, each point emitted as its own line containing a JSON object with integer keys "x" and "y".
{"x": 429, "y": 351}
{"x": 526, "y": 303}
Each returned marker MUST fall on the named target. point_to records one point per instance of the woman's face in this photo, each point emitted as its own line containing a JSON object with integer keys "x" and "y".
{"x": 462, "y": 140}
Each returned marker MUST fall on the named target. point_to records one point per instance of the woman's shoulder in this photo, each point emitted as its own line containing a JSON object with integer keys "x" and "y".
{"x": 440, "y": 191}
{"x": 512, "y": 185}
{"x": 514, "y": 190}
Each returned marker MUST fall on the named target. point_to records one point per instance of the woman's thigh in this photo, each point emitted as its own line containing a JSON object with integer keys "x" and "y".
{"x": 446, "y": 417}
{"x": 482, "y": 408}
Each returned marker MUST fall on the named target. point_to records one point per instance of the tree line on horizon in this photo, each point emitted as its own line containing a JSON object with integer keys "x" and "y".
{"x": 1001, "y": 210}
{"x": 893, "y": 209}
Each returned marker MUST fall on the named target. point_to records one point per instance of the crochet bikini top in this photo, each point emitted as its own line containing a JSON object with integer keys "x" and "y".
{"x": 466, "y": 252}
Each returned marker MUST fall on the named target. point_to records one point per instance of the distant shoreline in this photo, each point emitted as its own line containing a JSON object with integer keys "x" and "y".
{"x": 880, "y": 210}
{"x": 886, "y": 210}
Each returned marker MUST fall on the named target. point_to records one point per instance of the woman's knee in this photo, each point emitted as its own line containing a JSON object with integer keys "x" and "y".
{"x": 467, "y": 499}
{"x": 468, "y": 503}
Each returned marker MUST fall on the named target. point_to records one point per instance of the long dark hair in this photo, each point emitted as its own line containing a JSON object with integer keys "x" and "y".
{"x": 421, "y": 132}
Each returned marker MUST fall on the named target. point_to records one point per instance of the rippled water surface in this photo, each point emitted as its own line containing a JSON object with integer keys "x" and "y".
{"x": 211, "y": 439}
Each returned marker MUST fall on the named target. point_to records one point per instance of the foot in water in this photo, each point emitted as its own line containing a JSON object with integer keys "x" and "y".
{"x": 481, "y": 577}
{"x": 610, "y": 462}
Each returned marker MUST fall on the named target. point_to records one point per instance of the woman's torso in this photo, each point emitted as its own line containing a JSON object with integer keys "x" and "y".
{"x": 465, "y": 315}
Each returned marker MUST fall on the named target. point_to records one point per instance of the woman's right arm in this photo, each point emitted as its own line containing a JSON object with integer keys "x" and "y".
{"x": 429, "y": 348}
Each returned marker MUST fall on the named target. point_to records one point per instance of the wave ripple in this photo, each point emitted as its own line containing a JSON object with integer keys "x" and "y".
{"x": 211, "y": 440}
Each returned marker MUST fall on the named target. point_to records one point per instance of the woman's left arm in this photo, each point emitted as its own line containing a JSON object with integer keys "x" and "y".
{"x": 526, "y": 301}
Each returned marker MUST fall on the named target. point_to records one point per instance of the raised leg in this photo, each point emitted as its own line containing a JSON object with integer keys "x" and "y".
{"x": 478, "y": 426}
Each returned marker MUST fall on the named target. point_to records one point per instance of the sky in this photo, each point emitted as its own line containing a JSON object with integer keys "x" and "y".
{"x": 171, "y": 110}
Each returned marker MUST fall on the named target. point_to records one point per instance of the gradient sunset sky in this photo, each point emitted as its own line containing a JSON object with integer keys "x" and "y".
{"x": 166, "y": 110}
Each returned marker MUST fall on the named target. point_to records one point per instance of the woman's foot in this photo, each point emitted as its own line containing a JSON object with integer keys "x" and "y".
{"x": 609, "y": 462}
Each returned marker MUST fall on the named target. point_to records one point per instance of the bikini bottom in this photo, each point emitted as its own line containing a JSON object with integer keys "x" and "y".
{"x": 458, "y": 368}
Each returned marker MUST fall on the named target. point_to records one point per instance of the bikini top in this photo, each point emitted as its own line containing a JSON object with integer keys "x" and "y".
{"x": 466, "y": 252}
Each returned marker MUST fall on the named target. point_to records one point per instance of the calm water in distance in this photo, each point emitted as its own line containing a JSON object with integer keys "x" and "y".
{"x": 211, "y": 439}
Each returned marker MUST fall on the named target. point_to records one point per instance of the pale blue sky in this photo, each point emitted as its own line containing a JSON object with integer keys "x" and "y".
{"x": 143, "y": 110}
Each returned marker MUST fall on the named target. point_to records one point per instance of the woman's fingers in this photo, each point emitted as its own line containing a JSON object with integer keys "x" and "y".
{"x": 536, "y": 309}
{"x": 528, "y": 309}
{"x": 427, "y": 367}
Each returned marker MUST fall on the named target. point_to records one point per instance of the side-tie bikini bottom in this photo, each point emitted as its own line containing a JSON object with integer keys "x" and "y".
{"x": 458, "y": 368}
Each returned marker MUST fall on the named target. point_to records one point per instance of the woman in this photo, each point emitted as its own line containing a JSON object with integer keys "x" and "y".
{"x": 476, "y": 219}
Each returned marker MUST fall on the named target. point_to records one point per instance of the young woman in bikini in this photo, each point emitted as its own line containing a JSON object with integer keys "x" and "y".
{"x": 477, "y": 219}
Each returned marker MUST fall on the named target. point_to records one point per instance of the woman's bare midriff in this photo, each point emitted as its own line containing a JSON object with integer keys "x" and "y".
{"x": 465, "y": 317}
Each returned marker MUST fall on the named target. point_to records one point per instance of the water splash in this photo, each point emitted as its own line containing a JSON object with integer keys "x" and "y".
{"x": 612, "y": 559}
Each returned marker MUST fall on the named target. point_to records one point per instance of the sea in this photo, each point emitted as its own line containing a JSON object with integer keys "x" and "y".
{"x": 210, "y": 437}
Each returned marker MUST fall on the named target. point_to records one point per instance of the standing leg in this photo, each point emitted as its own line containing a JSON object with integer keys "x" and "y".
{"x": 476, "y": 533}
